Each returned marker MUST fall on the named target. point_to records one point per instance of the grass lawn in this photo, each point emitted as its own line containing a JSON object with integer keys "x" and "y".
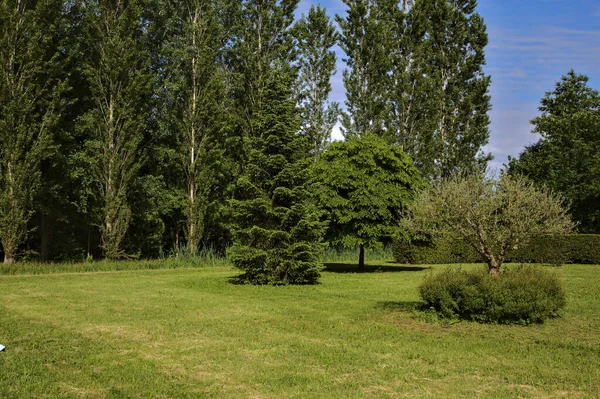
{"x": 178, "y": 333}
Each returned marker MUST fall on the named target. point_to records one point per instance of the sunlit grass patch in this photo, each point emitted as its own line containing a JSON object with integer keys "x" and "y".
{"x": 188, "y": 332}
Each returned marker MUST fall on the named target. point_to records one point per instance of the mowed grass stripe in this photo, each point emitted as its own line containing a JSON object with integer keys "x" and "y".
{"x": 190, "y": 333}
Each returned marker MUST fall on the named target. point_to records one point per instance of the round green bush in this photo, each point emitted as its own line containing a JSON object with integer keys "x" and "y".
{"x": 522, "y": 294}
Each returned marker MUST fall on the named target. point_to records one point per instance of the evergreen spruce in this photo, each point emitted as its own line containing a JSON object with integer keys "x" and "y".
{"x": 277, "y": 230}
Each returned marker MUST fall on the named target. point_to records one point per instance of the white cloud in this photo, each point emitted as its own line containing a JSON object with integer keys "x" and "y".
{"x": 336, "y": 133}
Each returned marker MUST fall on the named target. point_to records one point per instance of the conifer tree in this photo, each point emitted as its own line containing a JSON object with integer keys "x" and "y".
{"x": 277, "y": 231}
{"x": 119, "y": 79}
{"x": 30, "y": 105}
{"x": 316, "y": 36}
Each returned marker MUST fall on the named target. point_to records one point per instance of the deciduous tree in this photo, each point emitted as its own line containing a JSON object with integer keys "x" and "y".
{"x": 444, "y": 101}
{"x": 492, "y": 215}
{"x": 30, "y": 105}
{"x": 120, "y": 84}
{"x": 316, "y": 37}
{"x": 566, "y": 159}
{"x": 198, "y": 94}
{"x": 365, "y": 186}
{"x": 367, "y": 41}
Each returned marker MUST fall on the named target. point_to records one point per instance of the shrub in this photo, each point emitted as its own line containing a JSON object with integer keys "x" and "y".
{"x": 426, "y": 252}
{"x": 544, "y": 249}
{"x": 584, "y": 248}
{"x": 574, "y": 248}
{"x": 522, "y": 295}
{"x": 552, "y": 249}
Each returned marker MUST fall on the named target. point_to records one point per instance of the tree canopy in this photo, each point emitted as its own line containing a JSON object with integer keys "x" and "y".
{"x": 364, "y": 187}
{"x": 566, "y": 158}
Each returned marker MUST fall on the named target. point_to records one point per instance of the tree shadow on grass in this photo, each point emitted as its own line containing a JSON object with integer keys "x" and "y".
{"x": 353, "y": 268}
{"x": 405, "y": 306}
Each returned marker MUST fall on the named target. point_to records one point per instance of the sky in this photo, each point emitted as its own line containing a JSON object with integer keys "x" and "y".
{"x": 532, "y": 43}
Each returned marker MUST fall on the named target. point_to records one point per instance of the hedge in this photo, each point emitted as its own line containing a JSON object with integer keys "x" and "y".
{"x": 575, "y": 248}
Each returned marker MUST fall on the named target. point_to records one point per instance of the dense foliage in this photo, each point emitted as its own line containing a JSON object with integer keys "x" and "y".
{"x": 150, "y": 128}
{"x": 565, "y": 158}
{"x": 557, "y": 249}
{"x": 277, "y": 232}
{"x": 522, "y": 295}
{"x": 433, "y": 252}
{"x": 31, "y": 84}
{"x": 415, "y": 78}
{"x": 546, "y": 249}
{"x": 316, "y": 36}
{"x": 364, "y": 187}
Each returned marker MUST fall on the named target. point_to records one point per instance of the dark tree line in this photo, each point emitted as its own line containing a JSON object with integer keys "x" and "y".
{"x": 137, "y": 128}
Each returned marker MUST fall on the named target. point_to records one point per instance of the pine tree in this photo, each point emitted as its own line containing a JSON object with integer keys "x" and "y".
{"x": 316, "y": 36}
{"x": 367, "y": 42}
{"x": 120, "y": 85}
{"x": 30, "y": 105}
{"x": 277, "y": 231}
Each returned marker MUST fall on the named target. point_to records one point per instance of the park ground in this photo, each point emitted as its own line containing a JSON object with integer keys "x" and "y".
{"x": 189, "y": 332}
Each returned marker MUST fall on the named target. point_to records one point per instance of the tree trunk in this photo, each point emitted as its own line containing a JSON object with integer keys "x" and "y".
{"x": 177, "y": 243}
{"x": 361, "y": 259}
{"x": 494, "y": 267}
{"x": 89, "y": 244}
{"x": 45, "y": 236}
{"x": 9, "y": 258}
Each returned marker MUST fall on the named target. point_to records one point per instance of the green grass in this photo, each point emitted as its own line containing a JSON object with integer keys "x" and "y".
{"x": 29, "y": 267}
{"x": 187, "y": 332}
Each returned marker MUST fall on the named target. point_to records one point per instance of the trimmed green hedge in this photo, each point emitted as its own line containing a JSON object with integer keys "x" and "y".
{"x": 424, "y": 252}
{"x": 575, "y": 248}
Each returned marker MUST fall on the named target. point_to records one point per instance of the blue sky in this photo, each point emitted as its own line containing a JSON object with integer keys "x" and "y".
{"x": 531, "y": 44}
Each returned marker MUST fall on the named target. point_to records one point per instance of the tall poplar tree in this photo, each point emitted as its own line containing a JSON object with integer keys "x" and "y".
{"x": 412, "y": 113}
{"x": 119, "y": 79}
{"x": 198, "y": 95}
{"x": 448, "y": 43}
{"x": 30, "y": 104}
{"x": 367, "y": 41}
{"x": 277, "y": 231}
{"x": 316, "y": 37}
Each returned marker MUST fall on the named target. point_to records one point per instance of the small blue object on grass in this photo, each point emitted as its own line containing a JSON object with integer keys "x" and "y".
{"x": 2, "y": 347}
